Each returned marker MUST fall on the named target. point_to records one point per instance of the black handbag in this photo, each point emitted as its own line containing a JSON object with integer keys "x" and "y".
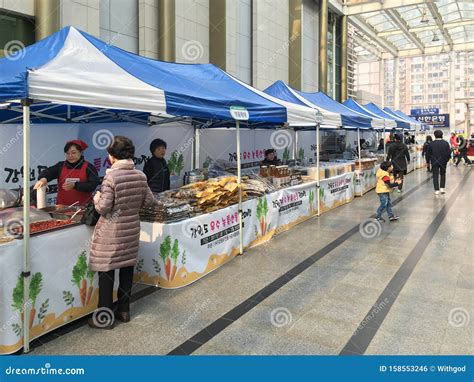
{"x": 91, "y": 216}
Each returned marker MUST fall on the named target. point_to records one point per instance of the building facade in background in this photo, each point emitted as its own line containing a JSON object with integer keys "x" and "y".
{"x": 257, "y": 41}
{"x": 424, "y": 83}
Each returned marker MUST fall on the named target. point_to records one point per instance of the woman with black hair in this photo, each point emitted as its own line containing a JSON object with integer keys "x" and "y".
{"x": 156, "y": 169}
{"x": 429, "y": 140}
{"x": 77, "y": 178}
{"x": 117, "y": 233}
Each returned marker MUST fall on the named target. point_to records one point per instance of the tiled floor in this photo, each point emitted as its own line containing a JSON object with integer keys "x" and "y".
{"x": 319, "y": 310}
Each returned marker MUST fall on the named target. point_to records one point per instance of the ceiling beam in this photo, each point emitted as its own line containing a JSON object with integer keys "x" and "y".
{"x": 402, "y": 24}
{"x": 431, "y": 50}
{"x": 367, "y": 46}
{"x": 439, "y": 22}
{"x": 357, "y": 9}
{"x": 422, "y": 28}
{"x": 372, "y": 35}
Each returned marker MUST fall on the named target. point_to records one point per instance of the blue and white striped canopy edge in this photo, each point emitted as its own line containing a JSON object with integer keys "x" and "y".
{"x": 354, "y": 105}
{"x": 71, "y": 67}
{"x": 372, "y": 107}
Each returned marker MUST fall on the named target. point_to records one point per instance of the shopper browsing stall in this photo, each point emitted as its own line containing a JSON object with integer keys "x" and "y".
{"x": 399, "y": 155}
{"x": 77, "y": 178}
{"x": 156, "y": 169}
{"x": 117, "y": 233}
{"x": 270, "y": 158}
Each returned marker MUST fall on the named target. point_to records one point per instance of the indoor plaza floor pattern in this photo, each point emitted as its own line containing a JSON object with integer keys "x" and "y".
{"x": 324, "y": 287}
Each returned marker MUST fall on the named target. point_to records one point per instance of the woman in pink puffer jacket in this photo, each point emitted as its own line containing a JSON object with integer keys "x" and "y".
{"x": 116, "y": 236}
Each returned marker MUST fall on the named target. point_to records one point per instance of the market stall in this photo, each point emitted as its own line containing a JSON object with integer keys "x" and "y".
{"x": 73, "y": 68}
{"x": 57, "y": 295}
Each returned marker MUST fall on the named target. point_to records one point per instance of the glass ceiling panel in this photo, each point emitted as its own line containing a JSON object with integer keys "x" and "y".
{"x": 466, "y": 6}
{"x": 451, "y": 11}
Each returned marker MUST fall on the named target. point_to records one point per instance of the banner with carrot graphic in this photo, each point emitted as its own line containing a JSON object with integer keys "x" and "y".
{"x": 336, "y": 191}
{"x": 56, "y": 292}
{"x": 83, "y": 278}
{"x": 365, "y": 181}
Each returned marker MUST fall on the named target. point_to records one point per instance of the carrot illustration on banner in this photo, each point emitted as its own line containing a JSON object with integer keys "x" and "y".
{"x": 174, "y": 256}
{"x": 80, "y": 274}
{"x": 36, "y": 285}
{"x": 165, "y": 249}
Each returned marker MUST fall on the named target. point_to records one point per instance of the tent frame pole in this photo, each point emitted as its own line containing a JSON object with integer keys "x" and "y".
{"x": 197, "y": 146}
{"x": 239, "y": 184}
{"x": 26, "y": 274}
{"x": 384, "y": 143}
{"x": 318, "y": 180}
{"x": 295, "y": 145}
{"x": 360, "y": 162}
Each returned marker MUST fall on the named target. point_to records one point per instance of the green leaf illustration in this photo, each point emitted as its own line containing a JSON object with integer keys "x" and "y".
{"x": 43, "y": 310}
{"x": 175, "y": 251}
{"x": 165, "y": 248}
{"x": 36, "y": 285}
{"x": 68, "y": 298}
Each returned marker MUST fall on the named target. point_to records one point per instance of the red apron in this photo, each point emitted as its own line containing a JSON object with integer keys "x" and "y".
{"x": 72, "y": 196}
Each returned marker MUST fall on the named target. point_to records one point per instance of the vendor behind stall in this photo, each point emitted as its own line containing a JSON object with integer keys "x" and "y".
{"x": 156, "y": 169}
{"x": 270, "y": 158}
{"x": 77, "y": 178}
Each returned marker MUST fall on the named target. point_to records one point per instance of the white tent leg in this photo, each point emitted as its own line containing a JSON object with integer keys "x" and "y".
{"x": 318, "y": 180}
{"x": 360, "y": 162}
{"x": 384, "y": 144}
{"x": 239, "y": 182}
{"x": 295, "y": 145}
{"x": 26, "y": 226}
{"x": 197, "y": 135}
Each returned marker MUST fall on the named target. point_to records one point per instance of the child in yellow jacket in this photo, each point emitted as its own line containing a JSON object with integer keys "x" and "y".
{"x": 385, "y": 184}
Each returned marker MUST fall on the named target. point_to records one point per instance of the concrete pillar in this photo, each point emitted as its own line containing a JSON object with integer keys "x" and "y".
{"x": 167, "y": 30}
{"x": 295, "y": 63}
{"x": 323, "y": 46}
{"x": 47, "y": 18}
{"x": 217, "y": 33}
{"x": 382, "y": 81}
{"x": 396, "y": 83}
{"x": 452, "y": 91}
{"x": 469, "y": 113}
{"x": 343, "y": 58}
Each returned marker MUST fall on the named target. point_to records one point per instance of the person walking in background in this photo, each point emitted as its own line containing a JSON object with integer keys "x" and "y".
{"x": 156, "y": 169}
{"x": 438, "y": 154}
{"x": 453, "y": 142}
{"x": 116, "y": 236}
{"x": 399, "y": 155}
{"x": 462, "y": 151}
{"x": 385, "y": 184}
{"x": 429, "y": 139}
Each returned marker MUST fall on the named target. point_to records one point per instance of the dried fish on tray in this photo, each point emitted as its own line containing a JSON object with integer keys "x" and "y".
{"x": 211, "y": 195}
{"x": 166, "y": 210}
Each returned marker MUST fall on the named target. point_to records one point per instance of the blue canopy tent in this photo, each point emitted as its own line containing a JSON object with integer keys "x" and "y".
{"x": 354, "y": 105}
{"x": 341, "y": 115}
{"x": 401, "y": 124}
{"x": 71, "y": 67}
{"x": 413, "y": 124}
{"x": 423, "y": 126}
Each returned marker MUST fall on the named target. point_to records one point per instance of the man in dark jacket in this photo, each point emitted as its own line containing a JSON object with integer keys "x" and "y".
{"x": 398, "y": 154}
{"x": 439, "y": 154}
{"x": 156, "y": 168}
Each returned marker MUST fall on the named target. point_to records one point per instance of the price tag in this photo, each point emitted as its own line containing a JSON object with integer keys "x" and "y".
{"x": 239, "y": 113}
